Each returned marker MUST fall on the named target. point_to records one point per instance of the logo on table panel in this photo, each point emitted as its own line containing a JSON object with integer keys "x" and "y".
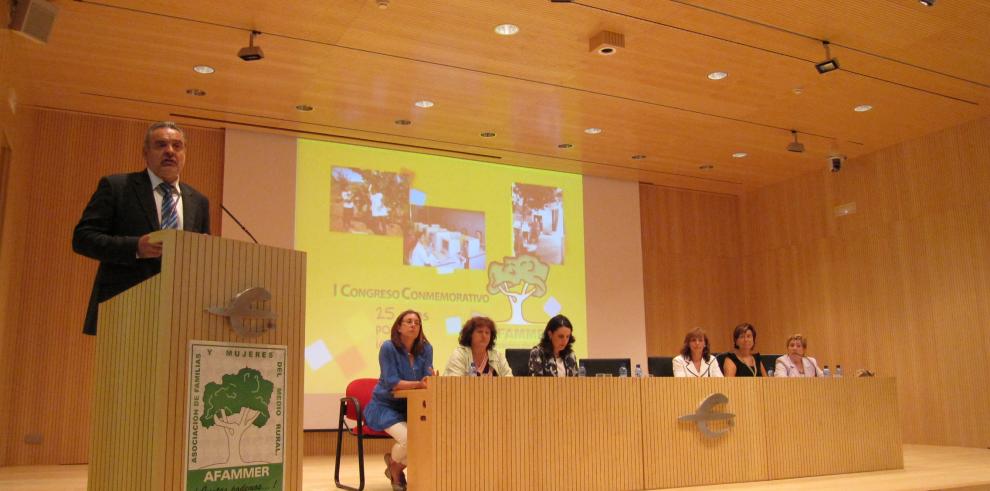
{"x": 706, "y": 414}
{"x": 245, "y": 317}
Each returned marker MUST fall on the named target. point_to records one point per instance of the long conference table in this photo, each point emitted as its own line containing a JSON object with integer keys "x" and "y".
{"x": 524, "y": 433}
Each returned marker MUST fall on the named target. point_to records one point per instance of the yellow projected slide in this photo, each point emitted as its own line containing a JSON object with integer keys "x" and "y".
{"x": 387, "y": 231}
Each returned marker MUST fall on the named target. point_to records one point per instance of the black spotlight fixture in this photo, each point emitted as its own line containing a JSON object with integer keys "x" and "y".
{"x": 830, "y": 64}
{"x": 927, "y": 3}
{"x": 251, "y": 52}
{"x": 795, "y": 146}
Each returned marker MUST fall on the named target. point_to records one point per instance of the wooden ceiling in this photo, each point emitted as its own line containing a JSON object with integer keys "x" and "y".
{"x": 362, "y": 68}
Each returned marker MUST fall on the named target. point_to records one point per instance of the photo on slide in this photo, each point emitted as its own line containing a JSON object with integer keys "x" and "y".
{"x": 445, "y": 238}
{"x": 364, "y": 201}
{"x": 538, "y": 222}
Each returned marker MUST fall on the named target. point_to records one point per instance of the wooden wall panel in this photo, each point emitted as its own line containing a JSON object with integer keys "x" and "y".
{"x": 901, "y": 286}
{"x": 54, "y": 171}
{"x": 691, "y": 266}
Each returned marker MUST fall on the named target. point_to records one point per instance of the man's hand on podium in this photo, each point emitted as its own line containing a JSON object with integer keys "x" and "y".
{"x": 147, "y": 248}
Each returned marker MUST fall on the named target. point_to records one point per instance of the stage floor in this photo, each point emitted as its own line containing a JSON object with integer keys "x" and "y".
{"x": 925, "y": 468}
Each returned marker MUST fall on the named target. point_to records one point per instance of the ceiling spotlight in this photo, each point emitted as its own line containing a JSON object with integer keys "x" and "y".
{"x": 304, "y": 108}
{"x": 204, "y": 69}
{"x": 506, "y": 29}
{"x": 862, "y": 108}
{"x": 706, "y": 167}
{"x": 403, "y": 122}
{"x": 196, "y": 92}
{"x": 606, "y": 43}
{"x": 251, "y": 52}
{"x": 927, "y": 3}
{"x": 565, "y": 145}
{"x": 717, "y": 75}
{"x": 638, "y": 157}
{"x": 795, "y": 146}
{"x": 488, "y": 134}
{"x": 830, "y": 64}
{"x": 592, "y": 131}
{"x": 382, "y": 4}
{"x": 424, "y": 103}
{"x": 740, "y": 155}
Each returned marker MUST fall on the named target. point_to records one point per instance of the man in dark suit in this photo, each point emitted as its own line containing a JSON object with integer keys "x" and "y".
{"x": 126, "y": 208}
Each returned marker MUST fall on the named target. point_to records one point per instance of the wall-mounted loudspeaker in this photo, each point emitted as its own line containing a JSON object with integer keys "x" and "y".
{"x": 34, "y": 19}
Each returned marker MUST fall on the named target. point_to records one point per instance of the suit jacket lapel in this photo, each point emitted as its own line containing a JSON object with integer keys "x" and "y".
{"x": 190, "y": 218}
{"x": 141, "y": 184}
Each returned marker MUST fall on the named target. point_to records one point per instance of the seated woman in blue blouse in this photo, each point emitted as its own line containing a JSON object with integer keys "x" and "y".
{"x": 554, "y": 356}
{"x": 477, "y": 345}
{"x": 405, "y": 362}
{"x": 695, "y": 360}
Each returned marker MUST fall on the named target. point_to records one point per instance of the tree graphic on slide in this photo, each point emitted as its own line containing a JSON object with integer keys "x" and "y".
{"x": 518, "y": 278}
{"x": 246, "y": 394}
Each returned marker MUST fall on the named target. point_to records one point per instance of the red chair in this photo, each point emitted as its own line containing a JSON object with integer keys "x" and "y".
{"x": 352, "y": 405}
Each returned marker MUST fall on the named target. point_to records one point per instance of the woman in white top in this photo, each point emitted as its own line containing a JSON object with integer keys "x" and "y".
{"x": 477, "y": 345}
{"x": 379, "y": 212}
{"x": 695, "y": 360}
{"x": 794, "y": 363}
{"x": 421, "y": 254}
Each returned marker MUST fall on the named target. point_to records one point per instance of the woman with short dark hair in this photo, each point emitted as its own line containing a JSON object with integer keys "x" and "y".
{"x": 477, "y": 347}
{"x": 554, "y": 356}
{"x": 743, "y": 361}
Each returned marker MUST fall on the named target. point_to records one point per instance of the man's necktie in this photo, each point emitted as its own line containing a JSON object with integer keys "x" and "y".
{"x": 170, "y": 217}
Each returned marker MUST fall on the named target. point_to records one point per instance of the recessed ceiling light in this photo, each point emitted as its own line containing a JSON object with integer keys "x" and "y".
{"x": 740, "y": 155}
{"x": 196, "y": 92}
{"x": 638, "y": 157}
{"x": 506, "y": 29}
{"x": 403, "y": 122}
{"x": 565, "y": 145}
{"x": 488, "y": 134}
{"x": 706, "y": 167}
{"x": 862, "y": 108}
{"x": 424, "y": 103}
{"x": 717, "y": 75}
{"x": 592, "y": 131}
{"x": 204, "y": 69}
{"x": 927, "y": 3}
{"x": 304, "y": 108}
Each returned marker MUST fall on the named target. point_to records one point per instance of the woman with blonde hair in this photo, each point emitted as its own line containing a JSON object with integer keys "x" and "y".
{"x": 795, "y": 363}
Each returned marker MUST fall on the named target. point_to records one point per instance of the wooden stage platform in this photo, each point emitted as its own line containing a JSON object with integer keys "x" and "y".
{"x": 925, "y": 468}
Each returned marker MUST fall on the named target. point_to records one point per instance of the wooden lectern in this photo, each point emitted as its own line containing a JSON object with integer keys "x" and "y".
{"x": 142, "y": 362}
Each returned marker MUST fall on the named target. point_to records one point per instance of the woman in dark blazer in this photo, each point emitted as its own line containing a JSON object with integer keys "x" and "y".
{"x": 554, "y": 356}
